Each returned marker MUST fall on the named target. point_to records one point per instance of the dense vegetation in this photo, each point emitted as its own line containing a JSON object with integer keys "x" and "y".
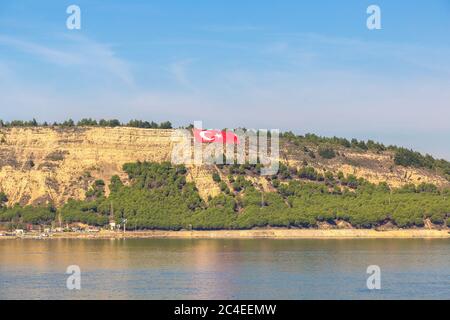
{"x": 409, "y": 158}
{"x": 311, "y": 138}
{"x": 160, "y": 198}
{"x": 17, "y": 215}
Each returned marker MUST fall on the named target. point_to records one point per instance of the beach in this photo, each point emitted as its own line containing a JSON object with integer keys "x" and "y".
{"x": 251, "y": 234}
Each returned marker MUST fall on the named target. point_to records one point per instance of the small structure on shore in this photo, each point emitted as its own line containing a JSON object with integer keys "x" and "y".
{"x": 112, "y": 225}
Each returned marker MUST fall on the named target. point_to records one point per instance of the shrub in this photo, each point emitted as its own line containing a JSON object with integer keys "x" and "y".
{"x": 3, "y": 198}
{"x": 216, "y": 177}
{"x": 327, "y": 153}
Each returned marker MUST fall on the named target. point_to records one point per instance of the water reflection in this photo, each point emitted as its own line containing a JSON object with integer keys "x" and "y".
{"x": 224, "y": 269}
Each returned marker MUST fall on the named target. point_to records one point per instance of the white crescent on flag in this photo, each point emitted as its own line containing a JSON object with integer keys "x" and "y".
{"x": 215, "y": 136}
{"x": 204, "y": 137}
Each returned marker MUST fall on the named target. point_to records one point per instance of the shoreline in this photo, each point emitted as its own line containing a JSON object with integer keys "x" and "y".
{"x": 252, "y": 234}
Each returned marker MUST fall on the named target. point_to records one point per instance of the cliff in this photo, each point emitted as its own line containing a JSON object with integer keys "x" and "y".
{"x": 52, "y": 164}
{"x": 38, "y": 165}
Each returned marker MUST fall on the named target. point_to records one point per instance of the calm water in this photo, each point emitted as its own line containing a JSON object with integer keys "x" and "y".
{"x": 225, "y": 269}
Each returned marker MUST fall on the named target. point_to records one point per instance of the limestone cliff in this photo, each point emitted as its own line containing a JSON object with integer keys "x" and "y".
{"x": 46, "y": 164}
{"x": 38, "y": 165}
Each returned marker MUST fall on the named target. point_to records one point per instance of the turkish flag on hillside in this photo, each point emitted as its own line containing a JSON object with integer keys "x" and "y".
{"x": 215, "y": 136}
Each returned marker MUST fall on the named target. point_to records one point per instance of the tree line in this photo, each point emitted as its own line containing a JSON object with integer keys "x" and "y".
{"x": 88, "y": 122}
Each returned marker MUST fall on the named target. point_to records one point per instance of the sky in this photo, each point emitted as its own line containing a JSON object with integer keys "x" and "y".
{"x": 305, "y": 66}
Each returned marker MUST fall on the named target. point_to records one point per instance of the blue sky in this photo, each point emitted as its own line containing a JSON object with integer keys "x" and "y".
{"x": 289, "y": 64}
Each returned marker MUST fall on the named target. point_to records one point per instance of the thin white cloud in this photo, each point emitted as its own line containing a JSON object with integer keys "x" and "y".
{"x": 232, "y": 28}
{"x": 333, "y": 47}
{"x": 75, "y": 51}
{"x": 98, "y": 55}
{"x": 178, "y": 69}
{"x": 43, "y": 52}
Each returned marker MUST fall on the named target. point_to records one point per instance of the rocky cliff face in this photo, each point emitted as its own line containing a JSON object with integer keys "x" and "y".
{"x": 42, "y": 165}
{"x": 38, "y": 165}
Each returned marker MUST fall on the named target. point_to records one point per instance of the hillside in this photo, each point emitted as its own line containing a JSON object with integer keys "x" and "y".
{"x": 375, "y": 163}
{"x": 89, "y": 174}
{"x": 41, "y": 165}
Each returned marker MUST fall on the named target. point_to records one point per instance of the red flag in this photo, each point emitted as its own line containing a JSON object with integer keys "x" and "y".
{"x": 215, "y": 136}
